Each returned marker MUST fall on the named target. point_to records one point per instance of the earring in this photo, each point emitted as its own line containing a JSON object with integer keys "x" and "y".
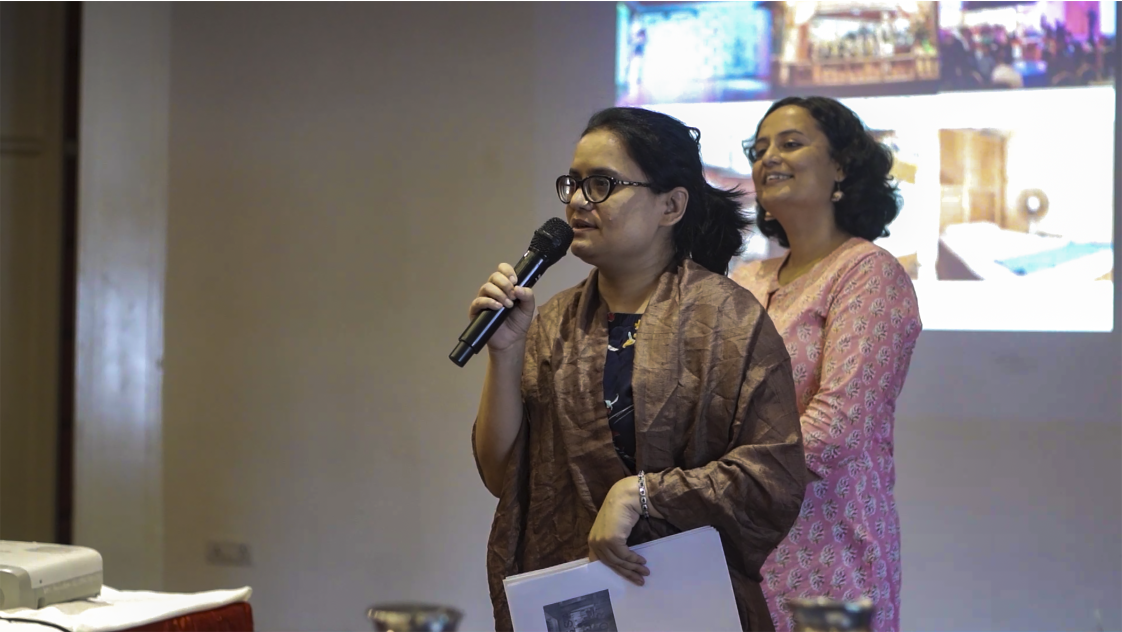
{"x": 838, "y": 195}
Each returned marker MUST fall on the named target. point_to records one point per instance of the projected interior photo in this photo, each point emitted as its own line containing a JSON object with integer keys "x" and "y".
{"x": 855, "y": 48}
{"x": 994, "y": 217}
{"x": 1005, "y": 214}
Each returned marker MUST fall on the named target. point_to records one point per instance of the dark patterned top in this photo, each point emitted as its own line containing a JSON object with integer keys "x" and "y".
{"x": 617, "y": 384}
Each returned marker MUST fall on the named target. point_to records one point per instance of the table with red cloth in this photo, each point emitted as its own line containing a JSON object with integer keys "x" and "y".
{"x": 235, "y": 617}
{"x": 140, "y": 611}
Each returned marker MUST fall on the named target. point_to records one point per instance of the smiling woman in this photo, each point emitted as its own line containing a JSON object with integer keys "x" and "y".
{"x": 848, "y": 313}
{"x": 842, "y": 172}
{"x": 654, "y": 397}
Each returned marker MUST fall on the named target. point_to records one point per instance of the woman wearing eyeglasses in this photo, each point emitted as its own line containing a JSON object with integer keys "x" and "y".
{"x": 849, "y": 314}
{"x": 652, "y": 398}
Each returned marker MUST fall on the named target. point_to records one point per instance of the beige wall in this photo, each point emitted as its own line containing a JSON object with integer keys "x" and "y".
{"x": 1008, "y": 524}
{"x": 122, "y": 229}
{"x": 342, "y": 177}
{"x": 30, "y": 264}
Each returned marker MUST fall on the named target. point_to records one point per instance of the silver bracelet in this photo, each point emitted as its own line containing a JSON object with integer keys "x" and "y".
{"x": 644, "y": 508}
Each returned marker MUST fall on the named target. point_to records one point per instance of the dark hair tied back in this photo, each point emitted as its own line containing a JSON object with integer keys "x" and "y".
{"x": 669, "y": 153}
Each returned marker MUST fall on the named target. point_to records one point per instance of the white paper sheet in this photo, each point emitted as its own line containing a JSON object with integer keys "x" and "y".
{"x": 688, "y": 589}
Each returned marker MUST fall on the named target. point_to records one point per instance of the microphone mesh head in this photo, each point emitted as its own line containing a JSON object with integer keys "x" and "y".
{"x": 552, "y": 240}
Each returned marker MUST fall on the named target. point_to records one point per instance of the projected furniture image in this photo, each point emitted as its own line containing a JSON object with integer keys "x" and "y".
{"x": 992, "y": 231}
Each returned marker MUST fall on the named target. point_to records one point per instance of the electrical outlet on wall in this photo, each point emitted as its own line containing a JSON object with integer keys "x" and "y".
{"x": 226, "y": 553}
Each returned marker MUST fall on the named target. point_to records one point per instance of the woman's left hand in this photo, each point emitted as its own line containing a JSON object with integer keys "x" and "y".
{"x": 607, "y": 541}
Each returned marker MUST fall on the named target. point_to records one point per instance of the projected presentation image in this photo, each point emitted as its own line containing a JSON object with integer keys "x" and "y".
{"x": 1006, "y": 214}
{"x": 908, "y": 233}
{"x": 692, "y": 52}
{"x": 855, "y": 48}
{"x": 1007, "y": 195}
{"x": 1003, "y": 45}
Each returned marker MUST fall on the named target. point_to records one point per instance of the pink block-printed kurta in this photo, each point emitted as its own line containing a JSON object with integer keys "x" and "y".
{"x": 850, "y": 325}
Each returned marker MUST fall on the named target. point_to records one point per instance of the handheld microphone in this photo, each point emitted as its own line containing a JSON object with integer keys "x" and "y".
{"x": 549, "y": 244}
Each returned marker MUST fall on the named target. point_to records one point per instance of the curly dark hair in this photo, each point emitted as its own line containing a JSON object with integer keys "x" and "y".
{"x": 711, "y": 231}
{"x": 870, "y": 199}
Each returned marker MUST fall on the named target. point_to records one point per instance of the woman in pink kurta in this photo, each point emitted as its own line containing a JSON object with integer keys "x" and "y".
{"x": 847, "y": 311}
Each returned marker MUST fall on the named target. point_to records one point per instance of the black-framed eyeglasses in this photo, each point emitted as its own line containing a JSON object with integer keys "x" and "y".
{"x": 596, "y": 188}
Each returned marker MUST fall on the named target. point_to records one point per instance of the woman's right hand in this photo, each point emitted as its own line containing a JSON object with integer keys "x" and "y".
{"x": 500, "y": 291}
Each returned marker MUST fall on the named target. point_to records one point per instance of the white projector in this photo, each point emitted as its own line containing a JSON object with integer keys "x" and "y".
{"x": 34, "y": 575}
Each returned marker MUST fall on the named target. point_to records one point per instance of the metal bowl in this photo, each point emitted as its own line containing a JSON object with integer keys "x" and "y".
{"x": 822, "y": 614}
{"x": 414, "y": 617}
